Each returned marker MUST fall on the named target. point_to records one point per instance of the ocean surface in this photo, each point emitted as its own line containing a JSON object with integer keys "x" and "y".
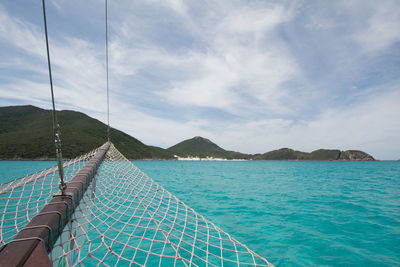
{"x": 293, "y": 213}
{"x": 10, "y": 170}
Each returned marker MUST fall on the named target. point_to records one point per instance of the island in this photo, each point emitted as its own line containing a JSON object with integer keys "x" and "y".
{"x": 26, "y": 134}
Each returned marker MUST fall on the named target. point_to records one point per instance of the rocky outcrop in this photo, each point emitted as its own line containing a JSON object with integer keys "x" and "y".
{"x": 320, "y": 154}
{"x": 355, "y": 155}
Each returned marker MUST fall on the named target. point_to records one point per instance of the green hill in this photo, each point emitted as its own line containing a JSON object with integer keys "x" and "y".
{"x": 320, "y": 154}
{"x": 325, "y": 154}
{"x": 282, "y": 154}
{"x": 202, "y": 147}
{"x": 26, "y": 133}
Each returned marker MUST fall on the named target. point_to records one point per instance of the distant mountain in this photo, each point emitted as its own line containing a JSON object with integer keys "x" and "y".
{"x": 202, "y": 147}
{"x": 282, "y": 154}
{"x": 26, "y": 132}
{"x": 320, "y": 154}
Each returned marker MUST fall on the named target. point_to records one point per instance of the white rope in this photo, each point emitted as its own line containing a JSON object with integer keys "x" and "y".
{"x": 23, "y": 198}
{"x": 129, "y": 219}
{"x": 124, "y": 218}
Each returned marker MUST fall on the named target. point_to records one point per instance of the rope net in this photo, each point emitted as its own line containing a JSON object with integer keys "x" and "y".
{"x": 21, "y": 199}
{"x": 125, "y": 219}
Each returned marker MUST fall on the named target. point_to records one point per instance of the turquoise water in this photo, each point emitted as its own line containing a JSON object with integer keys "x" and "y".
{"x": 10, "y": 170}
{"x": 292, "y": 213}
{"x": 296, "y": 213}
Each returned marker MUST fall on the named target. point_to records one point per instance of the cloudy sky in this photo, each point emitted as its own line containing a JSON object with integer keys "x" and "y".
{"x": 252, "y": 76}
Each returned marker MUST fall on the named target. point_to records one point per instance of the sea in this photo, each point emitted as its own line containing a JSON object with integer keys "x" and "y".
{"x": 293, "y": 213}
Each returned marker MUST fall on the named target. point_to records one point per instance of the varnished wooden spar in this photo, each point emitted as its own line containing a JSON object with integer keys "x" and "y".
{"x": 31, "y": 245}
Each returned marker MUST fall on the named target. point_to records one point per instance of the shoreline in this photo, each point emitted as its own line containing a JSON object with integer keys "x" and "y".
{"x": 197, "y": 159}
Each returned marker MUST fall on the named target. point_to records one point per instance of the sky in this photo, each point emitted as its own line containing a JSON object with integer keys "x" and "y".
{"x": 252, "y": 76}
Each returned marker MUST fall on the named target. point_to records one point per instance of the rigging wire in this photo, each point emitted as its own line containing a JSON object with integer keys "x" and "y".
{"x": 108, "y": 97}
{"x": 56, "y": 126}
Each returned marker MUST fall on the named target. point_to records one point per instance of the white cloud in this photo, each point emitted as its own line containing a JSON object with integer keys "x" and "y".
{"x": 78, "y": 68}
{"x": 362, "y": 125}
{"x": 176, "y": 5}
{"x": 209, "y": 89}
{"x": 233, "y": 57}
{"x": 154, "y": 130}
{"x": 371, "y": 126}
{"x": 20, "y": 34}
{"x": 242, "y": 51}
{"x": 382, "y": 29}
{"x": 246, "y": 19}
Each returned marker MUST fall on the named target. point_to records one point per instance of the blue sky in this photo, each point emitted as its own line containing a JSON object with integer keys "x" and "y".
{"x": 252, "y": 76}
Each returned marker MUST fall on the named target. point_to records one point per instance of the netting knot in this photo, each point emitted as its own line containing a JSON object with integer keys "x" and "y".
{"x": 62, "y": 186}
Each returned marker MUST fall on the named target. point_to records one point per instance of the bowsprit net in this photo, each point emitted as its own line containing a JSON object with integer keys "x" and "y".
{"x": 23, "y": 198}
{"x": 125, "y": 218}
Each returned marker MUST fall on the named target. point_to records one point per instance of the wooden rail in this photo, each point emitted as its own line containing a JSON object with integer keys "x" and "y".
{"x": 31, "y": 245}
